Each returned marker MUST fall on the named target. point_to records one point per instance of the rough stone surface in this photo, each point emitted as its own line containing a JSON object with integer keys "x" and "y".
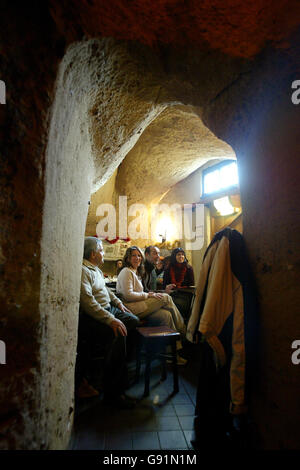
{"x": 172, "y": 147}
{"x": 104, "y": 195}
{"x": 199, "y": 59}
{"x": 273, "y": 210}
{"x": 29, "y": 74}
{"x": 263, "y": 132}
{"x": 234, "y": 27}
{"x": 68, "y": 177}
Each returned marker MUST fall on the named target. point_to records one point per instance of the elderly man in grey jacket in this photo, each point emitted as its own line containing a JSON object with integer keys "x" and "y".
{"x": 106, "y": 321}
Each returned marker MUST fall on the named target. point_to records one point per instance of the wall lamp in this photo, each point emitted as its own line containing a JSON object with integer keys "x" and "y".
{"x": 224, "y": 206}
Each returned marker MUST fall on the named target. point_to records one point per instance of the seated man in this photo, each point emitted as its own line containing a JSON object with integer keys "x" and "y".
{"x": 152, "y": 254}
{"x": 106, "y": 321}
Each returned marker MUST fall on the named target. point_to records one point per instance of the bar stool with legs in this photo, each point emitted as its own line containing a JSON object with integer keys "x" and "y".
{"x": 154, "y": 340}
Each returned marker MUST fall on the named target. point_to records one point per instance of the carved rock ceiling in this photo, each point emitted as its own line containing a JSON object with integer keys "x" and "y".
{"x": 174, "y": 145}
{"x": 235, "y": 27}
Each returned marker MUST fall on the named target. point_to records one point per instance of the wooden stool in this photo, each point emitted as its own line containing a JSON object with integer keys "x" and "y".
{"x": 155, "y": 339}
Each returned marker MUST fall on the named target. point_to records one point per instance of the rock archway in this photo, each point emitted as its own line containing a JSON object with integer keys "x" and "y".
{"x": 106, "y": 96}
{"x": 107, "y": 93}
{"x": 111, "y": 110}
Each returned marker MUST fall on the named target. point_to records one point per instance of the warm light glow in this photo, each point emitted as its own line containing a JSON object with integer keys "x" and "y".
{"x": 224, "y": 206}
{"x": 220, "y": 178}
{"x": 165, "y": 230}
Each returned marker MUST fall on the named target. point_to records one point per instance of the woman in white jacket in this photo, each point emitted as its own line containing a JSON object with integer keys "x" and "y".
{"x": 158, "y": 308}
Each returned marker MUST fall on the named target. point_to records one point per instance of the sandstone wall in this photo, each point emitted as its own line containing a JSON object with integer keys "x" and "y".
{"x": 263, "y": 132}
{"x": 93, "y": 125}
{"x": 29, "y": 75}
{"x": 44, "y": 202}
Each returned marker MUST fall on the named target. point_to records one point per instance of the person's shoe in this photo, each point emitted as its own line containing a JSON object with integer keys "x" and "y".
{"x": 85, "y": 390}
{"x": 183, "y": 352}
{"x": 180, "y": 361}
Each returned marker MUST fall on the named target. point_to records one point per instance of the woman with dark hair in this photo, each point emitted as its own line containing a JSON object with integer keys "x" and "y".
{"x": 179, "y": 271}
{"x": 181, "y": 274}
{"x": 119, "y": 266}
{"x": 158, "y": 308}
{"x": 159, "y": 270}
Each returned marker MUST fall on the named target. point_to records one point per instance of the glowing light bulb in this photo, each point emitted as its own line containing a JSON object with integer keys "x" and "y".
{"x": 224, "y": 206}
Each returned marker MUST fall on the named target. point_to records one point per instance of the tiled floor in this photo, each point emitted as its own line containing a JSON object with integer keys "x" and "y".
{"x": 160, "y": 421}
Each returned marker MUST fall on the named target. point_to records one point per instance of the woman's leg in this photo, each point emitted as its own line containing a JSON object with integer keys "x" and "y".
{"x": 176, "y": 315}
{"x": 164, "y": 312}
{"x": 161, "y": 318}
{"x": 162, "y": 308}
{"x": 156, "y": 315}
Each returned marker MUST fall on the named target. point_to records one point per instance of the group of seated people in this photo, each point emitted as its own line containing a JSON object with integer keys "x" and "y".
{"x": 107, "y": 318}
{"x": 172, "y": 271}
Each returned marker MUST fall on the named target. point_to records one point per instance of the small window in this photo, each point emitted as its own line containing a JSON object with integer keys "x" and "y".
{"x": 220, "y": 177}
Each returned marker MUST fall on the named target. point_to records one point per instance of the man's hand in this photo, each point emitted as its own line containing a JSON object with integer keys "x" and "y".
{"x": 118, "y": 327}
{"x": 170, "y": 287}
{"x": 123, "y": 308}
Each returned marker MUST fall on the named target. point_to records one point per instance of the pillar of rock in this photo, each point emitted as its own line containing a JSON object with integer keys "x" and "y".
{"x": 75, "y": 106}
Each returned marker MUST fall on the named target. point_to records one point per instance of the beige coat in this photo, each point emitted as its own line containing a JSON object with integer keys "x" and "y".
{"x": 224, "y": 296}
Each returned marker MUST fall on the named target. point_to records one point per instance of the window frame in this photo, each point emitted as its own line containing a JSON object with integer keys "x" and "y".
{"x": 213, "y": 168}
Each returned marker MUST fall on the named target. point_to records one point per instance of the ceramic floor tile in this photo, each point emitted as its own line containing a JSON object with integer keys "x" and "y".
{"x": 153, "y": 421}
{"x": 172, "y": 440}
{"x": 141, "y": 419}
{"x": 184, "y": 410}
{"x": 90, "y": 441}
{"x": 193, "y": 401}
{"x": 120, "y": 422}
{"x": 136, "y": 391}
{"x": 118, "y": 441}
{"x": 190, "y": 389}
{"x": 186, "y": 422}
{"x": 188, "y": 435}
{"x": 73, "y": 442}
{"x": 192, "y": 397}
{"x": 168, "y": 423}
{"x": 181, "y": 399}
{"x": 145, "y": 441}
{"x": 164, "y": 410}
{"x": 150, "y": 424}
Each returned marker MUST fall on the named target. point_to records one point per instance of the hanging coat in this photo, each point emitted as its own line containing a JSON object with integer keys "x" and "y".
{"x": 225, "y": 294}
